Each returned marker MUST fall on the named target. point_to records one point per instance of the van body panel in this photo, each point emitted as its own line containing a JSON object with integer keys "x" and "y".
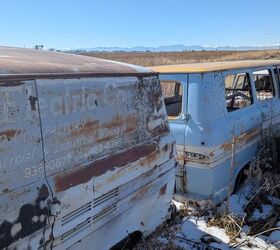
{"x": 99, "y": 134}
{"x": 128, "y": 221}
{"x": 85, "y": 148}
{"x": 24, "y": 190}
{"x": 220, "y": 140}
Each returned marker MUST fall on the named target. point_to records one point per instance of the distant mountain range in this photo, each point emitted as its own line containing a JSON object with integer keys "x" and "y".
{"x": 177, "y": 47}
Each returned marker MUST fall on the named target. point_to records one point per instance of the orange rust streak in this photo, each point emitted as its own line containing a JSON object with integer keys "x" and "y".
{"x": 140, "y": 194}
{"x": 226, "y": 146}
{"x": 10, "y": 133}
{"x": 130, "y": 121}
{"x": 162, "y": 190}
{"x": 247, "y": 137}
{"x": 83, "y": 174}
{"x": 89, "y": 127}
{"x": 150, "y": 160}
{"x": 115, "y": 122}
{"x": 243, "y": 138}
{"x": 180, "y": 156}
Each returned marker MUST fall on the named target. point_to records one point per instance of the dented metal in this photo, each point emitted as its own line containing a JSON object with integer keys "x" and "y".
{"x": 84, "y": 161}
{"x": 204, "y": 141}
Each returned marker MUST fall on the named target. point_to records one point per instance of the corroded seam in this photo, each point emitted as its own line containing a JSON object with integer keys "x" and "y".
{"x": 83, "y": 174}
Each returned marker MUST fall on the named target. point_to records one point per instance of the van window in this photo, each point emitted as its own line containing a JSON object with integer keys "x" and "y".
{"x": 238, "y": 91}
{"x": 172, "y": 92}
{"x": 263, "y": 84}
{"x": 276, "y": 73}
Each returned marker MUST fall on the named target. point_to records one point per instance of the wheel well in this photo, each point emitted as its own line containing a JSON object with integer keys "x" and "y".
{"x": 240, "y": 177}
{"x": 129, "y": 242}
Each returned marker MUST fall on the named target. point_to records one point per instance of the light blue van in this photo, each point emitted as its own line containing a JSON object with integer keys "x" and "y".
{"x": 217, "y": 113}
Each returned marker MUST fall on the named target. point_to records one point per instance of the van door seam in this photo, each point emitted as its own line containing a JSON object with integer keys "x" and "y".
{"x": 44, "y": 157}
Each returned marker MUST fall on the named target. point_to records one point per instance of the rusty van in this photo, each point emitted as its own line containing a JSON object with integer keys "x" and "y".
{"x": 86, "y": 154}
{"x": 218, "y": 113}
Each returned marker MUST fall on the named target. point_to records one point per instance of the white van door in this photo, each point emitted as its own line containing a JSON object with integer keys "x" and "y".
{"x": 25, "y": 221}
{"x": 102, "y": 141}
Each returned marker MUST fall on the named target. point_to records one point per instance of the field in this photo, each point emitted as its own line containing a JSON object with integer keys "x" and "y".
{"x": 162, "y": 58}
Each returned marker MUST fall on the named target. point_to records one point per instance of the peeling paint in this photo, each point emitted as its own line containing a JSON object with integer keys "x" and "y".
{"x": 84, "y": 174}
{"x": 79, "y": 153}
{"x": 31, "y": 218}
{"x": 162, "y": 190}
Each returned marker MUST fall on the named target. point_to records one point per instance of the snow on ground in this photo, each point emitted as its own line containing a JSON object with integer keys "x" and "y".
{"x": 248, "y": 219}
{"x": 194, "y": 232}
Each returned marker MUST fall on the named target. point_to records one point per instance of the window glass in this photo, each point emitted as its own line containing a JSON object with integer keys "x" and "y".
{"x": 238, "y": 91}
{"x": 263, "y": 84}
{"x": 172, "y": 92}
{"x": 240, "y": 79}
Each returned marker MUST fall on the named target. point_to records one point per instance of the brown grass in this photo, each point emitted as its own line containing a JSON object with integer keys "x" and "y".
{"x": 162, "y": 58}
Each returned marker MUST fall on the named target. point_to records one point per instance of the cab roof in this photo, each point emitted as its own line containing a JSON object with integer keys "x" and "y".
{"x": 213, "y": 66}
{"x": 19, "y": 61}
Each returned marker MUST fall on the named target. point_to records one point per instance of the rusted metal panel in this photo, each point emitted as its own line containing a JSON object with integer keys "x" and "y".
{"x": 79, "y": 149}
{"x": 149, "y": 210}
{"x": 97, "y": 168}
{"x": 24, "y": 191}
{"x": 79, "y": 155}
{"x": 103, "y": 138}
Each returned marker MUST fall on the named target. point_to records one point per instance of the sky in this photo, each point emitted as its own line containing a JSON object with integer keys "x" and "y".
{"x": 72, "y": 24}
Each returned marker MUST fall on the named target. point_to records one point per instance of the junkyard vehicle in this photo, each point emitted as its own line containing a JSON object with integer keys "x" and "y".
{"x": 217, "y": 113}
{"x": 86, "y": 154}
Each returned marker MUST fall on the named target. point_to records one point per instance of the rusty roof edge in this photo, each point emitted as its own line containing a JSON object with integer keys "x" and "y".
{"x": 213, "y": 66}
{"x": 32, "y": 76}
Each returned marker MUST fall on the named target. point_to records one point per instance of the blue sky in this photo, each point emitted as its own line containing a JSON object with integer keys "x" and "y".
{"x": 127, "y": 23}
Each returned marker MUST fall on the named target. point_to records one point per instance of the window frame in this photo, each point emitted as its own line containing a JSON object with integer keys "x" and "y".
{"x": 247, "y": 72}
{"x": 277, "y": 80}
{"x": 272, "y": 77}
{"x": 183, "y": 80}
{"x": 237, "y": 79}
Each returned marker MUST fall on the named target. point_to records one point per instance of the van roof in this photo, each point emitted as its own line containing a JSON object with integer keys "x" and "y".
{"x": 213, "y": 66}
{"x": 19, "y": 61}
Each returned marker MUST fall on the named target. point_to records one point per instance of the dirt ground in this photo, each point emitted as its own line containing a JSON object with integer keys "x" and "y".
{"x": 162, "y": 58}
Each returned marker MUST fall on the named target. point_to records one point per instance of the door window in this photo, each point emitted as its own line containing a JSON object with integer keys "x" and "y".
{"x": 172, "y": 92}
{"x": 264, "y": 84}
{"x": 238, "y": 91}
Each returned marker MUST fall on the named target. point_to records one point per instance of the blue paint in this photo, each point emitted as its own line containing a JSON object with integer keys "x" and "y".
{"x": 209, "y": 132}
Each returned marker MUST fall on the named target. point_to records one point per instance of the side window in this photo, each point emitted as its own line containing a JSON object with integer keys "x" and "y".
{"x": 172, "y": 92}
{"x": 276, "y": 73}
{"x": 264, "y": 84}
{"x": 238, "y": 91}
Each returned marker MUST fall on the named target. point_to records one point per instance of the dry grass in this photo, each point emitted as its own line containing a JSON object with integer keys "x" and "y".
{"x": 263, "y": 179}
{"x": 231, "y": 224}
{"x": 162, "y": 58}
{"x": 264, "y": 172}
